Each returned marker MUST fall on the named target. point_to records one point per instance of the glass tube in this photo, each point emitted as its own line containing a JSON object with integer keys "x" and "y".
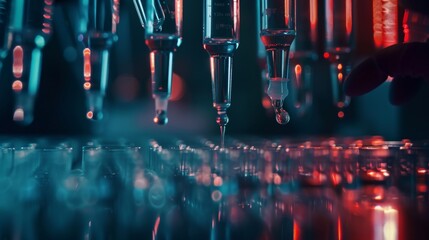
{"x": 221, "y": 27}
{"x": 339, "y": 42}
{"x": 162, "y": 21}
{"x": 30, "y": 28}
{"x": 277, "y": 34}
{"x": 97, "y": 33}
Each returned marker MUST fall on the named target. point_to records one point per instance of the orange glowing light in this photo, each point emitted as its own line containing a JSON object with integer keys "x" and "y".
{"x": 313, "y": 20}
{"x": 385, "y": 22}
{"x": 87, "y": 86}
{"x": 326, "y": 55}
{"x": 405, "y": 26}
{"x": 349, "y": 17}
{"x": 177, "y": 88}
{"x": 296, "y": 231}
{"x": 340, "y": 77}
{"x": 18, "y": 61}
{"x": 87, "y": 64}
{"x": 89, "y": 115}
{"x": 421, "y": 171}
{"x": 422, "y": 188}
{"x": 298, "y": 72}
{"x": 339, "y": 66}
{"x": 217, "y": 181}
{"x": 17, "y": 86}
{"x": 155, "y": 228}
{"x": 277, "y": 179}
{"x": 339, "y": 229}
{"x": 340, "y": 105}
{"x": 287, "y": 11}
{"x": 266, "y": 102}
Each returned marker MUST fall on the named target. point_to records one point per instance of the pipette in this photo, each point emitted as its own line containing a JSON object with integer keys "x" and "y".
{"x": 339, "y": 27}
{"x": 98, "y": 23}
{"x": 30, "y": 27}
{"x": 162, "y": 21}
{"x": 5, "y": 7}
{"x": 277, "y": 34}
{"x": 221, "y": 39}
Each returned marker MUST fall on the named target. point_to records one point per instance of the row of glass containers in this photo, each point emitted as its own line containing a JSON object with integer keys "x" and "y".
{"x": 277, "y": 190}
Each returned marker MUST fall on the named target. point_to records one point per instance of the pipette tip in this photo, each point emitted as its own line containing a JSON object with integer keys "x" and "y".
{"x": 161, "y": 117}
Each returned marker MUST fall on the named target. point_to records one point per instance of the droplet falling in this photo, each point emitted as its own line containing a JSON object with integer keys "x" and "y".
{"x": 282, "y": 116}
{"x": 161, "y": 117}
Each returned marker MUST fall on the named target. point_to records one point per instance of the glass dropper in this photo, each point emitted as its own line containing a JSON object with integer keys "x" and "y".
{"x": 98, "y": 24}
{"x": 220, "y": 39}
{"x": 162, "y": 21}
{"x": 277, "y": 34}
{"x": 30, "y": 28}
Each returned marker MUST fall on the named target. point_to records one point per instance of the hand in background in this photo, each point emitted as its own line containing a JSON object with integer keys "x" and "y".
{"x": 406, "y": 63}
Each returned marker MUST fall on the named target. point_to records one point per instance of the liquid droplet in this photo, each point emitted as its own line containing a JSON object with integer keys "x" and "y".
{"x": 282, "y": 117}
{"x": 160, "y": 117}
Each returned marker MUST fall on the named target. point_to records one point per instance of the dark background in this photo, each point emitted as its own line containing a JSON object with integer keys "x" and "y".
{"x": 129, "y": 108}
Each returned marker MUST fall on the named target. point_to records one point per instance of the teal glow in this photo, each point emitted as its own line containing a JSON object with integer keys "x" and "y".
{"x": 104, "y": 71}
{"x": 17, "y": 13}
{"x": 39, "y": 41}
{"x": 36, "y": 59}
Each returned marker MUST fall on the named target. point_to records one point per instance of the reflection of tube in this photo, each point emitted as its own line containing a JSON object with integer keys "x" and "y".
{"x": 277, "y": 34}
{"x": 162, "y": 21}
{"x": 97, "y": 33}
{"x": 220, "y": 40}
{"x": 30, "y": 28}
{"x": 303, "y": 54}
{"x": 339, "y": 26}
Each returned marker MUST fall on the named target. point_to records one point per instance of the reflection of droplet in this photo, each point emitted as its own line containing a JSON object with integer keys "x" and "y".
{"x": 160, "y": 117}
{"x": 282, "y": 117}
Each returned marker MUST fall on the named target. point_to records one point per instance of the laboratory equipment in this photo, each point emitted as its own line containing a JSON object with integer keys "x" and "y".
{"x": 221, "y": 27}
{"x": 339, "y": 44}
{"x": 162, "y": 21}
{"x": 5, "y": 7}
{"x": 277, "y": 34}
{"x": 97, "y": 33}
{"x": 385, "y": 22}
{"x": 303, "y": 55}
{"x": 30, "y": 28}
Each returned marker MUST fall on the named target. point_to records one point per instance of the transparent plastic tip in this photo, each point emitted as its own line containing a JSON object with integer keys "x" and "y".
{"x": 161, "y": 117}
{"x": 278, "y": 91}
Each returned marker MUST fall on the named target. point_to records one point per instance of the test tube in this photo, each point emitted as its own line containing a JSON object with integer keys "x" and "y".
{"x": 303, "y": 54}
{"x": 339, "y": 27}
{"x": 162, "y": 21}
{"x": 277, "y": 34}
{"x": 30, "y": 27}
{"x": 97, "y": 33}
{"x": 221, "y": 39}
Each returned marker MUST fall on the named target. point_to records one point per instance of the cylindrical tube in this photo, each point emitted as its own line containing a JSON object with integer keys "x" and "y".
{"x": 162, "y": 21}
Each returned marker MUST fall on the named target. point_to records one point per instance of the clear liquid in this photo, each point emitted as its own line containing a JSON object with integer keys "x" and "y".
{"x": 277, "y": 38}
{"x": 162, "y": 41}
{"x": 222, "y": 46}
{"x": 221, "y": 19}
{"x": 278, "y": 14}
